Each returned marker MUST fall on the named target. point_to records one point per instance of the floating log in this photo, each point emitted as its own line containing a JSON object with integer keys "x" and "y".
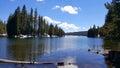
{"x": 103, "y": 52}
{"x": 59, "y": 64}
{"x": 25, "y": 62}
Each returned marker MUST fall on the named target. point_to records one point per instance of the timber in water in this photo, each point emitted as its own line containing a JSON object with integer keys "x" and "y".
{"x": 112, "y": 57}
{"x": 24, "y": 62}
{"x": 59, "y": 64}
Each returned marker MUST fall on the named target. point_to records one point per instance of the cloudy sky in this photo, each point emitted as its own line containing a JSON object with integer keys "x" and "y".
{"x": 71, "y": 15}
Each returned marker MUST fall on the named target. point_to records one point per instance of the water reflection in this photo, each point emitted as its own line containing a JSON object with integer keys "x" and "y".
{"x": 112, "y": 45}
{"x": 31, "y": 49}
{"x": 70, "y": 59}
{"x": 64, "y": 49}
{"x": 95, "y": 43}
{"x": 3, "y": 47}
{"x": 25, "y": 50}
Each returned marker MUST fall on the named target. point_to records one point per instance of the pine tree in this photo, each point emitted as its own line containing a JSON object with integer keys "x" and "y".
{"x": 10, "y": 26}
{"x": 31, "y": 22}
{"x": 35, "y": 22}
{"x": 61, "y": 32}
{"x": 17, "y": 21}
{"x": 56, "y": 30}
{"x": 44, "y": 26}
{"x": 40, "y": 27}
{"x": 51, "y": 30}
{"x": 2, "y": 27}
{"x": 93, "y": 32}
{"x": 28, "y": 27}
{"x": 111, "y": 29}
{"x": 47, "y": 28}
{"x": 21, "y": 22}
{"x": 24, "y": 20}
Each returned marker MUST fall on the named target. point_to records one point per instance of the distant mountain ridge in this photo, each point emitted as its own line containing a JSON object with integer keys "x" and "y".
{"x": 81, "y": 33}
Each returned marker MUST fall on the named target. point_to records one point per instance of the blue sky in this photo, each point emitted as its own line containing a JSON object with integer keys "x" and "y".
{"x": 71, "y": 15}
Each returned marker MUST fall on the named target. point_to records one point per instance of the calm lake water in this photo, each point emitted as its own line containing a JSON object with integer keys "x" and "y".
{"x": 60, "y": 49}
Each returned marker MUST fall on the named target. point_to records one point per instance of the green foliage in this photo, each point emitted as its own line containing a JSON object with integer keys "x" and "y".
{"x": 2, "y": 27}
{"x": 51, "y": 30}
{"x": 93, "y": 32}
{"x": 21, "y": 22}
{"x": 40, "y": 23}
{"x": 56, "y": 30}
{"x": 24, "y": 20}
{"x": 11, "y": 26}
{"x": 17, "y": 20}
{"x": 60, "y": 32}
{"x": 31, "y": 22}
{"x": 111, "y": 29}
{"x": 35, "y": 22}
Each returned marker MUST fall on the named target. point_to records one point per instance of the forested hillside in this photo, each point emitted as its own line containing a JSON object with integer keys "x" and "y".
{"x": 111, "y": 28}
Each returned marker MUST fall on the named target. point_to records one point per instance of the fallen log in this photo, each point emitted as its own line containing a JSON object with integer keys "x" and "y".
{"x": 25, "y": 62}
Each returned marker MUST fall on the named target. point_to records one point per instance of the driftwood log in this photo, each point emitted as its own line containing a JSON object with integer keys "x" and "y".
{"x": 24, "y": 62}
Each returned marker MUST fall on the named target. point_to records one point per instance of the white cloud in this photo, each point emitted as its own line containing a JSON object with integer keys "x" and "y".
{"x": 69, "y": 9}
{"x": 49, "y": 20}
{"x": 65, "y": 26}
{"x": 69, "y": 27}
{"x": 39, "y": 0}
{"x": 56, "y": 7}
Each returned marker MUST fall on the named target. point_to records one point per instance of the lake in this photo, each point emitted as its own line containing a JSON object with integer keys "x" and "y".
{"x": 72, "y": 49}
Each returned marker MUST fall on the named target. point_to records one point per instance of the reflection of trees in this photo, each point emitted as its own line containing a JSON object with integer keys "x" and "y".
{"x": 95, "y": 43}
{"x": 31, "y": 49}
{"x": 24, "y": 49}
{"x": 18, "y": 52}
{"x": 110, "y": 44}
{"x": 51, "y": 44}
{"x": 36, "y": 49}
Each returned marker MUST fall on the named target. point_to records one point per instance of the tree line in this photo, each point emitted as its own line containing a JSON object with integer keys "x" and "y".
{"x": 111, "y": 28}
{"x": 2, "y": 27}
{"x": 93, "y": 31}
{"x": 22, "y": 22}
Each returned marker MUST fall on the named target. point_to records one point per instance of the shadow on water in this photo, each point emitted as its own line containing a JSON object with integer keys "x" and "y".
{"x": 112, "y": 45}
